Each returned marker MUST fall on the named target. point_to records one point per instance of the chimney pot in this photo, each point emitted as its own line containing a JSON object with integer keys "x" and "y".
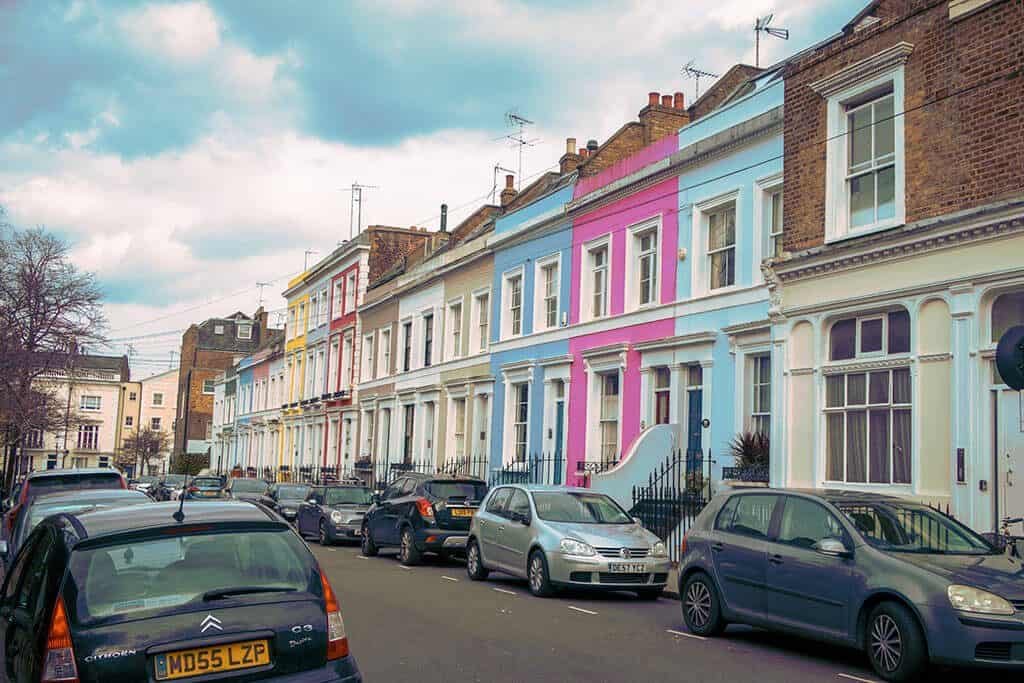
{"x": 666, "y": 100}
{"x": 591, "y": 146}
{"x": 570, "y": 145}
{"x": 652, "y": 98}
{"x": 444, "y": 218}
{"x": 680, "y": 103}
{"x": 508, "y": 181}
{"x": 583, "y": 151}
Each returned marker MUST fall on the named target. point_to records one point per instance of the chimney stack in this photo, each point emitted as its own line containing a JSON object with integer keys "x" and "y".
{"x": 444, "y": 218}
{"x": 570, "y": 160}
{"x": 570, "y": 145}
{"x": 509, "y": 193}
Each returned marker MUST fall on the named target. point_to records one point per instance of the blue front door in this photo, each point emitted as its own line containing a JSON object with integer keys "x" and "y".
{"x": 559, "y": 431}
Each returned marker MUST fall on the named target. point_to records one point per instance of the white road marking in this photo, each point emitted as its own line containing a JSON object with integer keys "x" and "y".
{"x": 502, "y": 590}
{"x": 855, "y": 678}
{"x": 360, "y": 557}
{"x": 402, "y": 566}
{"x": 580, "y": 609}
{"x": 449, "y": 578}
{"x": 685, "y": 635}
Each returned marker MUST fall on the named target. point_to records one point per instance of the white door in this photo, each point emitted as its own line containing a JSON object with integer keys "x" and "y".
{"x": 1010, "y": 452}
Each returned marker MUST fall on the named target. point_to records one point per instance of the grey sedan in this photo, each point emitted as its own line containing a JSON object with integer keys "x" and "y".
{"x": 901, "y": 581}
{"x": 556, "y": 536}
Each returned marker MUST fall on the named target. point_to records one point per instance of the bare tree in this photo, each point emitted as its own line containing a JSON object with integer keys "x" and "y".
{"x": 48, "y": 310}
{"x": 189, "y": 463}
{"x": 143, "y": 448}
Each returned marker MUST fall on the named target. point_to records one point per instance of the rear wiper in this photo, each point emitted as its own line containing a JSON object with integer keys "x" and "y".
{"x": 220, "y": 593}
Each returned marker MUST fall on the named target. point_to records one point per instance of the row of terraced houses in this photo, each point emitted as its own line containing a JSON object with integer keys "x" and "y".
{"x": 824, "y": 252}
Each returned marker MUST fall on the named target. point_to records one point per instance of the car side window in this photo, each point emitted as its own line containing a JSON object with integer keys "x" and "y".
{"x": 519, "y": 503}
{"x": 753, "y": 515}
{"x": 315, "y": 494}
{"x": 725, "y": 515}
{"x": 410, "y": 486}
{"x": 393, "y": 490}
{"x": 17, "y": 571}
{"x": 496, "y": 504}
{"x": 35, "y": 572}
{"x": 805, "y": 522}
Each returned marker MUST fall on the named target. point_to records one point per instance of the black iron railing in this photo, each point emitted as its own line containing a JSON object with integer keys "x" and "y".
{"x": 675, "y": 493}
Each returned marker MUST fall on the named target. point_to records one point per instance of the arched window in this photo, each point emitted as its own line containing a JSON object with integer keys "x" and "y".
{"x": 1007, "y": 311}
{"x": 870, "y": 335}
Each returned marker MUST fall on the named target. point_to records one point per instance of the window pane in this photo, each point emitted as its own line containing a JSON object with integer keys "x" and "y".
{"x": 862, "y": 200}
{"x": 662, "y": 378}
{"x": 856, "y": 388}
{"x": 804, "y": 523}
{"x": 871, "y": 336}
{"x": 834, "y": 391}
{"x": 856, "y": 446}
{"x": 886, "y": 193}
{"x": 880, "y": 446}
{"x": 879, "y": 387}
{"x": 723, "y": 267}
{"x": 860, "y": 137}
{"x": 901, "y": 385}
{"x": 842, "y": 339}
{"x": 722, "y": 229}
{"x": 753, "y": 515}
{"x": 899, "y": 332}
{"x": 1007, "y": 311}
{"x": 836, "y": 439}
{"x": 695, "y": 375}
{"x": 901, "y": 446}
{"x": 885, "y": 128}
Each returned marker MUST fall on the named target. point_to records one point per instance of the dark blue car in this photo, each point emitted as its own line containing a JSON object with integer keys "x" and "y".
{"x": 229, "y": 591}
{"x": 901, "y": 581}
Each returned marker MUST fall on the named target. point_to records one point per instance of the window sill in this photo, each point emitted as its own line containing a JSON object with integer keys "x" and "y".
{"x": 863, "y": 232}
{"x": 906, "y": 489}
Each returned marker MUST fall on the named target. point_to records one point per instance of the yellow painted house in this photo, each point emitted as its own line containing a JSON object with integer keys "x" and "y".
{"x": 295, "y": 353}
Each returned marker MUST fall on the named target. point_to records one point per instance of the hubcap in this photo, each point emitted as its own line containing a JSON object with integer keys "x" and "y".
{"x": 323, "y": 533}
{"x": 472, "y": 559}
{"x": 698, "y": 604}
{"x": 405, "y": 546}
{"x": 886, "y": 643}
{"x": 536, "y": 574}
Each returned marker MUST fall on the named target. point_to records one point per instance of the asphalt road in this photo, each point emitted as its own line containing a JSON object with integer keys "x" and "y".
{"x": 431, "y": 623}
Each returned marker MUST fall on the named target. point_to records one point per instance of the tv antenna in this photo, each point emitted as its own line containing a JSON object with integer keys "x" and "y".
{"x": 260, "y": 286}
{"x": 513, "y": 119}
{"x": 761, "y": 26}
{"x": 306, "y": 255}
{"x": 690, "y": 71}
{"x": 498, "y": 168}
{"x": 355, "y": 211}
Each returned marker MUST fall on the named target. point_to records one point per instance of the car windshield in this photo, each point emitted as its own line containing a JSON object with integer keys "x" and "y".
{"x": 579, "y": 508}
{"x": 136, "y": 578}
{"x": 910, "y": 528}
{"x": 248, "y": 486}
{"x": 74, "y": 482}
{"x": 292, "y": 492}
{"x": 348, "y": 495}
{"x": 206, "y": 482}
{"x": 145, "y": 480}
{"x": 174, "y": 480}
{"x": 37, "y": 513}
{"x": 456, "y": 490}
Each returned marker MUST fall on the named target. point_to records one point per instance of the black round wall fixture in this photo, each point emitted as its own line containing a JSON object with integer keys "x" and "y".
{"x": 1010, "y": 357}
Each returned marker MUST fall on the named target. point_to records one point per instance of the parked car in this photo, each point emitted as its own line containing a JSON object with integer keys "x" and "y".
{"x": 557, "y": 537}
{"x": 168, "y": 488}
{"x": 905, "y": 583}
{"x": 105, "y": 596}
{"x": 333, "y": 513}
{"x": 143, "y": 483}
{"x": 422, "y": 513}
{"x": 206, "y": 487}
{"x": 251, "y": 490}
{"x": 41, "y": 507}
{"x": 51, "y": 481}
{"x": 285, "y": 499}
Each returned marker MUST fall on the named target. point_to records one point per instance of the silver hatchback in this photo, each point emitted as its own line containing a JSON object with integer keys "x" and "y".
{"x": 554, "y": 536}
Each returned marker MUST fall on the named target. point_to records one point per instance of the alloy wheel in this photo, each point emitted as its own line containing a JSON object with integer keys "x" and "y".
{"x": 404, "y": 551}
{"x": 323, "y": 534}
{"x": 886, "y": 642}
{"x": 473, "y": 559}
{"x": 536, "y": 574}
{"x": 698, "y": 604}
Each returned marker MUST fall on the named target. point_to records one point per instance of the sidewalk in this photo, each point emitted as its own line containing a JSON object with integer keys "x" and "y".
{"x": 672, "y": 589}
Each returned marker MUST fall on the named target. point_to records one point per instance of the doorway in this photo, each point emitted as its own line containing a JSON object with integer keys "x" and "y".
{"x": 1009, "y": 453}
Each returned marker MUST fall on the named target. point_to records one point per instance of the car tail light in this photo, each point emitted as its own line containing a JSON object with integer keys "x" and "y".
{"x": 59, "y": 661}
{"x": 193, "y": 489}
{"x": 124, "y": 484}
{"x": 426, "y": 509}
{"x": 682, "y": 546}
{"x": 337, "y": 641}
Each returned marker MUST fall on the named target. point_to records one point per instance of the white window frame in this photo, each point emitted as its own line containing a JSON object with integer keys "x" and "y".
{"x": 751, "y": 387}
{"x": 507, "y": 278}
{"x": 338, "y": 292}
{"x": 333, "y": 362}
{"x": 158, "y": 403}
{"x": 325, "y": 300}
{"x": 384, "y": 357}
{"x": 155, "y": 423}
{"x": 837, "y": 212}
{"x": 480, "y": 341}
{"x": 347, "y": 340}
{"x": 587, "y": 291}
{"x": 210, "y": 391}
{"x": 91, "y": 442}
{"x": 540, "y": 296}
{"x": 601, "y": 379}
{"x": 514, "y": 405}
{"x": 455, "y": 323}
{"x": 84, "y": 404}
{"x": 303, "y": 319}
{"x": 633, "y": 255}
{"x": 428, "y": 359}
{"x": 701, "y": 268}
{"x": 351, "y": 286}
{"x": 368, "y": 359}
{"x": 218, "y": 329}
{"x": 764, "y": 242}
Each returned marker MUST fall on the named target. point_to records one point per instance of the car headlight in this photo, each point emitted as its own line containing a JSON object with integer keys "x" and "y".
{"x": 336, "y": 517}
{"x": 969, "y": 599}
{"x": 570, "y": 546}
{"x": 659, "y": 550}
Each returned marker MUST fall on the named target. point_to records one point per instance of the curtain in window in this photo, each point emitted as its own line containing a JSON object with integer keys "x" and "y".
{"x": 879, "y": 446}
{"x": 836, "y": 437}
{"x": 901, "y": 446}
{"x": 856, "y": 446}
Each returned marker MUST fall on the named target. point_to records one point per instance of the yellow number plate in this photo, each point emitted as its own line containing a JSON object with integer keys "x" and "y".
{"x": 207, "y": 660}
{"x": 462, "y": 512}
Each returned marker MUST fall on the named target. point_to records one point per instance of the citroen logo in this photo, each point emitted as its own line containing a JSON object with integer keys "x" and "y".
{"x": 210, "y": 622}
{"x": 625, "y": 554}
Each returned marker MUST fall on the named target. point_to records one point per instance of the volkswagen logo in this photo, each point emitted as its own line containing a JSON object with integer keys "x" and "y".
{"x": 210, "y": 622}
{"x": 625, "y": 554}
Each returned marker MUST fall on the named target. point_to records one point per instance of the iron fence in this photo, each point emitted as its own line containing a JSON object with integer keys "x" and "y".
{"x": 675, "y": 493}
{"x": 758, "y": 473}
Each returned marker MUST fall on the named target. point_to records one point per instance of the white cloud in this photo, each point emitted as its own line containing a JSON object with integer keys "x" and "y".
{"x": 184, "y": 32}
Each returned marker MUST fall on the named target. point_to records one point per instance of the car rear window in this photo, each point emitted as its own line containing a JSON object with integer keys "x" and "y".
{"x": 349, "y": 495}
{"x": 207, "y": 482}
{"x": 293, "y": 491}
{"x": 100, "y": 480}
{"x": 249, "y": 485}
{"x": 139, "y": 577}
{"x": 455, "y": 490}
{"x": 37, "y": 513}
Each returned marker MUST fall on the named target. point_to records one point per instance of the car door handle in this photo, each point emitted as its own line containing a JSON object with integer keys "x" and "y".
{"x": 718, "y": 547}
{"x": 775, "y": 559}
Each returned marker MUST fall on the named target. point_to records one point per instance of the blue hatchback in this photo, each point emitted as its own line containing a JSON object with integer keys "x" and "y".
{"x": 901, "y": 581}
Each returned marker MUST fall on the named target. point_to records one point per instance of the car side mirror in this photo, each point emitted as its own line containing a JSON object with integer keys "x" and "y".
{"x": 638, "y": 521}
{"x": 832, "y": 547}
{"x": 375, "y": 498}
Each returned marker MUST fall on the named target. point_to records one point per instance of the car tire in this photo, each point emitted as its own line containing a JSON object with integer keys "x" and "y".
{"x": 894, "y": 643}
{"x": 324, "y": 536}
{"x": 649, "y": 593}
{"x": 537, "y": 575}
{"x": 475, "y": 568}
{"x": 367, "y": 548}
{"x": 702, "y": 609}
{"x": 408, "y": 553}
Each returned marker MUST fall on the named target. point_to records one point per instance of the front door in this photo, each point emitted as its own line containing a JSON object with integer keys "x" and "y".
{"x": 1010, "y": 454}
{"x": 559, "y": 432}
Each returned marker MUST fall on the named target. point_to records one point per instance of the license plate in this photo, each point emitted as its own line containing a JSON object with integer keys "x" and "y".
{"x": 462, "y": 512}
{"x": 206, "y": 660}
{"x": 624, "y": 568}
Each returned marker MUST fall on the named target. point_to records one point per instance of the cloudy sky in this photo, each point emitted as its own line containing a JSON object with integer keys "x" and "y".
{"x": 188, "y": 150}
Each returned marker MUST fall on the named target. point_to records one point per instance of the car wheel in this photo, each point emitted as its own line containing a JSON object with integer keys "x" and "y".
{"x": 702, "y": 611}
{"x": 537, "y": 575}
{"x": 325, "y": 538}
{"x": 408, "y": 554}
{"x": 894, "y": 642}
{"x": 649, "y": 593}
{"x": 367, "y": 547}
{"x": 474, "y": 563}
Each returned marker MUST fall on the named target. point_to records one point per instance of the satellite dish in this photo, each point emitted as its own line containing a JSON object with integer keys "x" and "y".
{"x": 1010, "y": 357}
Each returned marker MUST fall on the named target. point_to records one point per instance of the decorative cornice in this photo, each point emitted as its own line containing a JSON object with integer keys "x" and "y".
{"x": 676, "y": 342}
{"x": 802, "y": 371}
{"x": 935, "y": 357}
{"x": 743, "y": 328}
{"x": 556, "y": 360}
{"x": 607, "y": 350}
{"x": 866, "y": 366}
{"x": 518, "y": 365}
{"x": 864, "y": 70}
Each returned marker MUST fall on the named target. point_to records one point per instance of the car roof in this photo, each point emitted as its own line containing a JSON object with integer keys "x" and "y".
{"x": 549, "y": 488}
{"x": 440, "y": 476}
{"x": 114, "y": 520}
{"x": 70, "y": 471}
{"x": 833, "y": 496}
{"x": 90, "y": 495}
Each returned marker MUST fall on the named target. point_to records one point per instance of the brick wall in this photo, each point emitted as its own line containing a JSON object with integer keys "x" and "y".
{"x": 725, "y": 86}
{"x": 961, "y": 152}
{"x": 389, "y": 245}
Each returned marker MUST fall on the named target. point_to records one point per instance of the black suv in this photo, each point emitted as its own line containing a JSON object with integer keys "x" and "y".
{"x": 423, "y": 513}
{"x": 333, "y": 513}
